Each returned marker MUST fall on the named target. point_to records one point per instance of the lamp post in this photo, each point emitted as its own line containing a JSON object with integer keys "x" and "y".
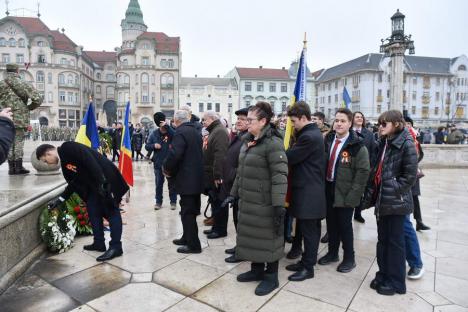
{"x": 395, "y": 47}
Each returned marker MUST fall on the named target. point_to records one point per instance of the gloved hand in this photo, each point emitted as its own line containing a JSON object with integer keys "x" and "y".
{"x": 55, "y": 203}
{"x": 229, "y": 200}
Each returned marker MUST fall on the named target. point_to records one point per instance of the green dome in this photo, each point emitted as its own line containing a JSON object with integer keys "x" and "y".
{"x": 133, "y": 13}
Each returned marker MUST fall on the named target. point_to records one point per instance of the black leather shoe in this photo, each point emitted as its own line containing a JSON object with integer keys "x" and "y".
{"x": 388, "y": 290}
{"x": 214, "y": 235}
{"x": 208, "y": 231}
{"x": 421, "y": 227}
{"x": 359, "y": 219}
{"x": 230, "y": 251}
{"x": 294, "y": 254}
{"x": 374, "y": 284}
{"x": 232, "y": 259}
{"x": 346, "y": 266}
{"x": 179, "y": 242}
{"x": 295, "y": 267}
{"x": 111, "y": 253}
{"x": 327, "y": 259}
{"x": 188, "y": 250}
{"x": 301, "y": 275}
{"x": 94, "y": 247}
{"x": 324, "y": 239}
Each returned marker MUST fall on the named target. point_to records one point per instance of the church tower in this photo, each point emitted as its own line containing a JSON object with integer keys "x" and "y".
{"x": 133, "y": 25}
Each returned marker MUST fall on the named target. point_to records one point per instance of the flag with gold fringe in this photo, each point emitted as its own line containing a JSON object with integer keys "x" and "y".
{"x": 125, "y": 159}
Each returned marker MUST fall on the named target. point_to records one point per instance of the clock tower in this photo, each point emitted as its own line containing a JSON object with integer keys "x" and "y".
{"x": 133, "y": 25}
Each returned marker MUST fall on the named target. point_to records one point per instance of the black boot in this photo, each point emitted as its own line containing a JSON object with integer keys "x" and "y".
{"x": 11, "y": 167}
{"x": 255, "y": 274}
{"x": 268, "y": 284}
{"x": 19, "y": 169}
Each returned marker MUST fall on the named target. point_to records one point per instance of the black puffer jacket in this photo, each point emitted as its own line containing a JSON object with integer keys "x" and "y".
{"x": 393, "y": 196}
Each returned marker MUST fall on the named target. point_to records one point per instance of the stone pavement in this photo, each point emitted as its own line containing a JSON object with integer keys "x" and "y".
{"x": 152, "y": 276}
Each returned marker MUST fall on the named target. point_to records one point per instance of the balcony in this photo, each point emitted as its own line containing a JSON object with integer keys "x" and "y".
{"x": 355, "y": 98}
{"x": 145, "y": 104}
{"x": 167, "y": 86}
{"x": 122, "y": 86}
{"x": 69, "y": 85}
{"x": 425, "y": 99}
{"x": 379, "y": 98}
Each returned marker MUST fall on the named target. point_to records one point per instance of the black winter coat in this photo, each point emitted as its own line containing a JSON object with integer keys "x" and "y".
{"x": 213, "y": 155}
{"x": 196, "y": 122}
{"x": 7, "y": 135}
{"x": 184, "y": 161}
{"x": 231, "y": 161}
{"x": 306, "y": 159}
{"x": 370, "y": 143}
{"x": 400, "y": 165}
{"x": 116, "y": 138}
{"x": 137, "y": 140}
{"x": 85, "y": 170}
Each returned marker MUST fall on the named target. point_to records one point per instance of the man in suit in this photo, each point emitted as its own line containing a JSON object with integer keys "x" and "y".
{"x": 98, "y": 182}
{"x": 306, "y": 159}
{"x": 184, "y": 164}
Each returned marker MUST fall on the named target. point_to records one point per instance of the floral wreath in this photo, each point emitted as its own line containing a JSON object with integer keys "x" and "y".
{"x": 57, "y": 229}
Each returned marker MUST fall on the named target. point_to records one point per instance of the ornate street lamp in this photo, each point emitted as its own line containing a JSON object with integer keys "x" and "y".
{"x": 395, "y": 47}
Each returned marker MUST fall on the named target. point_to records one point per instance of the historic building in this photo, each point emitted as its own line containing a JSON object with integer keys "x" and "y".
{"x": 218, "y": 94}
{"x": 435, "y": 89}
{"x": 144, "y": 69}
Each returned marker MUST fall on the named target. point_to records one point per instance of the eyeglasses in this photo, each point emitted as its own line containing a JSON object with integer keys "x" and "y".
{"x": 383, "y": 124}
{"x": 249, "y": 120}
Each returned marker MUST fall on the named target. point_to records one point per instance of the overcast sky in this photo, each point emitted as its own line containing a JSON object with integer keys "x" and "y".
{"x": 217, "y": 35}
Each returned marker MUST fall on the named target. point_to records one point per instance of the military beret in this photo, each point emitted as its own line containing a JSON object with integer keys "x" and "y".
{"x": 158, "y": 118}
{"x": 12, "y": 67}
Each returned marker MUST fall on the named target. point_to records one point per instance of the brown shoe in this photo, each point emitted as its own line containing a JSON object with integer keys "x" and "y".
{"x": 208, "y": 221}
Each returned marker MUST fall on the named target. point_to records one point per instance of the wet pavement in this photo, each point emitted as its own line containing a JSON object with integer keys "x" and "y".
{"x": 152, "y": 276}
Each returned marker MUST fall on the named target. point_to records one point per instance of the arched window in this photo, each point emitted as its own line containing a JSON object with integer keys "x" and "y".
{"x": 61, "y": 78}
{"x": 40, "y": 76}
{"x": 110, "y": 92}
{"x": 167, "y": 81}
{"x": 12, "y": 42}
{"x": 98, "y": 89}
{"x": 70, "y": 79}
{"x": 144, "y": 78}
{"x": 21, "y": 43}
{"x": 124, "y": 62}
{"x": 462, "y": 67}
{"x": 2, "y": 42}
{"x": 126, "y": 79}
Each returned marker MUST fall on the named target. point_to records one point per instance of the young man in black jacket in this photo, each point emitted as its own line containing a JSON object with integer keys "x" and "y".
{"x": 306, "y": 159}
{"x": 98, "y": 182}
{"x": 7, "y": 133}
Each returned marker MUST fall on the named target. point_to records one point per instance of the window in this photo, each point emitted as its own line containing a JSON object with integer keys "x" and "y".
{"x": 145, "y": 46}
{"x": 209, "y": 106}
{"x": 144, "y": 78}
{"x": 379, "y": 109}
{"x": 124, "y": 62}
{"x": 259, "y": 86}
{"x": 388, "y": 93}
{"x": 247, "y": 103}
{"x": 229, "y": 107}
{"x": 21, "y": 43}
{"x": 201, "y": 107}
{"x": 61, "y": 78}
{"x": 379, "y": 92}
{"x": 415, "y": 80}
{"x": 438, "y": 81}
{"x": 437, "y": 96}
{"x": 462, "y": 67}
{"x": 5, "y": 58}
{"x": 70, "y": 97}
{"x": 49, "y": 78}
{"x": 217, "y": 107}
{"x": 70, "y": 79}
{"x": 284, "y": 105}
{"x": 413, "y": 110}
{"x": 329, "y": 99}
{"x": 167, "y": 81}
{"x": 62, "y": 96}
{"x": 41, "y": 43}
{"x": 50, "y": 97}
{"x": 272, "y": 87}
{"x": 145, "y": 60}
{"x": 98, "y": 76}
{"x": 436, "y": 111}
{"x": 336, "y": 98}
{"x": 170, "y": 63}
{"x": 284, "y": 87}
{"x": 2, "y": 42}
{"x": 110, "y": 92}
{"x": 380, "y": 77}
{"x": 163, "y": 63}
{"x": 153, "y": 97}
{"x": 40, "y": 76}
{"x": 414, "y": 95}
{"x": 63, "y": 61}
{"x": 248, "y": 86}
{"x": 41, "y": 58}
{"x": 12, "y": 42}
{"x": 19, "y": 58}
{"x": 98, "y": 89}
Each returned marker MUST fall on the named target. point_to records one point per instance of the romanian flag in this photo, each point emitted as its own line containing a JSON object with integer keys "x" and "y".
{"x": 125, "y": 159}
{"x": 88, "y": 134}
{"x": 346, "y": 98}
{"x": 299, "y": 95}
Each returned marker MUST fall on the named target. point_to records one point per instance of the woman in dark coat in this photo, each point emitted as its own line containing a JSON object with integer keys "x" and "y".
{"x": 137, "y": 142}
{"x": 389, "y": 190}
{"x": 261, "y": 185}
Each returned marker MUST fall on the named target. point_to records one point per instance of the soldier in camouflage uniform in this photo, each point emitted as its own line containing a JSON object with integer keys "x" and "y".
{"x": 22, "y": 98}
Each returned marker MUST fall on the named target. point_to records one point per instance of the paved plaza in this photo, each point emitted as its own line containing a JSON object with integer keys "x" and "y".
{"x": 152, "y": 276}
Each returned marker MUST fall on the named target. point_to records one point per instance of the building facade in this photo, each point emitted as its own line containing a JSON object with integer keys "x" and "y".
{"x": 275, "y": 86}
{"x": 435, "y": 89}
{"x": 218, "y": 94}
{"x": 143, "y": 70}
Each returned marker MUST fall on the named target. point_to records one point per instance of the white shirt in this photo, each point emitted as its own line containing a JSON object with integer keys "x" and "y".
{"x": 338, "y": 150}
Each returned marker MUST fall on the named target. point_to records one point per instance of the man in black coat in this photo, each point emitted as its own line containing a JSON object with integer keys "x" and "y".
{"x": 98, "y": 182}
{"x": 7, "y": 133}
{"x": 230, "y": 164}
{"x": 306, "y": 159}
{"x": 184, "y": 163}
{"x": 116, "y": 140}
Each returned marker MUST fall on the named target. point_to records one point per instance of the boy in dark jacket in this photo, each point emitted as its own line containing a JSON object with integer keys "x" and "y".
{"x": 347, "y": 171}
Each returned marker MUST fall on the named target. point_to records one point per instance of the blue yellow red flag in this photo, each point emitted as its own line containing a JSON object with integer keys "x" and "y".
{"x": 88, "y": 133}
{"x": 346, "y": 98}
{"x": 125, "y": 159}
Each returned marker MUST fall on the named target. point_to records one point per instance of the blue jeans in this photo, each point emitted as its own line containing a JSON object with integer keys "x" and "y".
{"x": 159, "y": 187}
{"x": 413, "y": 253}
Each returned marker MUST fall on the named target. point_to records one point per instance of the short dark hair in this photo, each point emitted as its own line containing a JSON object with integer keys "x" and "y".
{"x": 363, "y": 118}
{"x": 346, "y": 111}
{"x": 319, "y": 115}
{"x": 41, "y": 150}
{"x": 395, "y": 117}
{"x": 263, "y": 110}
{"x": 299, "y": 109}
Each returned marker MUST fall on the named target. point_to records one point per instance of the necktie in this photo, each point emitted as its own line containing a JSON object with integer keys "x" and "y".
{"x": 331, "y": 161}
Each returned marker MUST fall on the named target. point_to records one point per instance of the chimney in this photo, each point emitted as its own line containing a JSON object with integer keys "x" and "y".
{"x": 260, "y": 66}
{"x": 196, "y": 75}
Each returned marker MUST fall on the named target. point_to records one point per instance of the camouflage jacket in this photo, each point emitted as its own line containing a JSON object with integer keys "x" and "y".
{"x": 16, "y": 93}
